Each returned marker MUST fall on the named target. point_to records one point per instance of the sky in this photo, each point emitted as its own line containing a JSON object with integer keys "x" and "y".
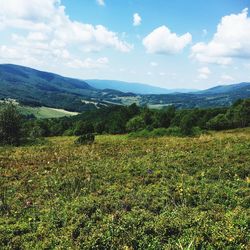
{"x": 193, "y": 44}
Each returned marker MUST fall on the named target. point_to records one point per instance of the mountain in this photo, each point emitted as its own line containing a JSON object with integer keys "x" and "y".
{"x": 219, "y": 96}
{"x": 36, "y": 88}
{"x": 244, "y": 86}
{"x": 137, "y": 88}
{"x": 33, "y": 87}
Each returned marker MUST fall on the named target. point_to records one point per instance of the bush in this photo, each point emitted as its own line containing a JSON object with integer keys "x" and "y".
{"x": 173, "y": 131}
{"x": 159, "y": 132}
{"x": 140, "y": 134}
{"x": 135, "y": 124}
{"x": 85, "y": 139}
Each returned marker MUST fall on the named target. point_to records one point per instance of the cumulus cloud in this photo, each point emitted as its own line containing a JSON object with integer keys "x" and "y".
{"x": 231, "y": 40}
{"x": 204, "y": 72}
{"x": 101, "y": 2}
{"x": 163, "y": 41}
{"x": 46, "y": 31}
{"x": 137, "y": 19}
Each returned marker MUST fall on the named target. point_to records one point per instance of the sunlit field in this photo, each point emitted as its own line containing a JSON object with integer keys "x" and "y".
{"x": 124, "y": 193}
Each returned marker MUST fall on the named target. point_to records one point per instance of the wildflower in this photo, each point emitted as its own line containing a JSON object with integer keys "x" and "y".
{"x": 150, "y": 171}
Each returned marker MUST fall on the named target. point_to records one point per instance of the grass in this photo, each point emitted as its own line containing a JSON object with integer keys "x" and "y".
{"x": 123, "y": 193}
{"x": 45, "y": 112}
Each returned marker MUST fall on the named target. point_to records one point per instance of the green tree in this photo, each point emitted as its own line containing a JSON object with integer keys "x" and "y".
{"x": 187, "y": 124}
{"x": 219, "y": 122}
{"x": 83, "y": 127}
{"x": 10, "y": 125}
{"x": 135, "y": 124}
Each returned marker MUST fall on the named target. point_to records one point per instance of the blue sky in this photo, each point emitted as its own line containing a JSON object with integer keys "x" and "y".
{"x": 172, "y": 44}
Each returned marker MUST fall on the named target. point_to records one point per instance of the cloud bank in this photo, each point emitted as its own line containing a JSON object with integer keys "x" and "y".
{"x": 43, "y": 31}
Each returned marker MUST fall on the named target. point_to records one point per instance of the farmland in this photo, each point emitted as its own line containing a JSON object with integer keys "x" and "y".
{"x": 124, "y": 193}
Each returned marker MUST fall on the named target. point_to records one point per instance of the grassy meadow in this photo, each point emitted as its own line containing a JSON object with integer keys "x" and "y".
{"x": 45, "y": 112}
{"x": 125, "y": 193}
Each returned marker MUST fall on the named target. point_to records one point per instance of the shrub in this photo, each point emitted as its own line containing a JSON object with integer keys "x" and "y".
{"x": 159, "y": 132}
{"x": 85, "y": 139}
{"x": 135, "y": 124}
{"x": 140, "y": 134}
{"x": 173, "y": 131}
{"x": 68, "y": 132}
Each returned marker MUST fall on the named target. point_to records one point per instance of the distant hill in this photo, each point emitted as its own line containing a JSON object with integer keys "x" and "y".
{"x": 137, "y": 88}
{"x": 219, "y": 96}
{"x": 36, "y": 88}
{"x": 238, "y": 87}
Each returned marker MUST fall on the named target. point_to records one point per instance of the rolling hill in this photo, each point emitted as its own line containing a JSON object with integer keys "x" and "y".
{"x": 219, "y": 96}
{"x": 35, "y": 88}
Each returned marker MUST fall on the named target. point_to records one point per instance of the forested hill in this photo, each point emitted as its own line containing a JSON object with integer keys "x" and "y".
{"x": 36, "y": 88}
{"x": 33, "y": 87}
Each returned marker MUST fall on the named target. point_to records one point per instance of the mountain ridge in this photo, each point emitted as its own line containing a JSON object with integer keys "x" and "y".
{"x": 38, "y": 88}
{"x": 135, "y": 87}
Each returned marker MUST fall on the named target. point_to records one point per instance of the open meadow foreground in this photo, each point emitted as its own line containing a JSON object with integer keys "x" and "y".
{"x": 124, "y": 193}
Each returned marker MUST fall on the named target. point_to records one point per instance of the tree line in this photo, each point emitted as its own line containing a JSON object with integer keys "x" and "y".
{"x": 123, "y": 119}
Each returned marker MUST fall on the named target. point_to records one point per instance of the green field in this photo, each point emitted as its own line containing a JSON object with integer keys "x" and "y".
{"x": 123, "y": 193}
{"x": 45, "y": 112}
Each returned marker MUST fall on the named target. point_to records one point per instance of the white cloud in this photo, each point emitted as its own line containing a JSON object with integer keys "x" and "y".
{"x": 137, "y": 19}
{"x": 227, "y": 78}
{"x": 46, "y": 32}
{"x": 101, "y": 2}
{"x": 163, "y": 41}
{"x": 204, "y": 72}
{"x": 231, "y": 40}
{"x": 154, "y": 64}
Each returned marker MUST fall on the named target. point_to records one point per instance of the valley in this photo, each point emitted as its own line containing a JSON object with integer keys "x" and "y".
{"x": 31, "y": 87}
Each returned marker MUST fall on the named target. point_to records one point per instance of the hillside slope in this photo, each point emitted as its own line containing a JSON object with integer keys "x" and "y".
{"x": 36, "y": 88}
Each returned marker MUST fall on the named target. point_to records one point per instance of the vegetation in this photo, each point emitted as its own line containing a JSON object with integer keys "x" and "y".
{"x": 10, "y": 125}
{"x": 37, "y": 89}
{"x": 44, "y": 112}
{"x": 85, "y": 139}
{"x": 124, "y": 193}
{"x": 133, "y": 119}
{"x": 168, "y": 184}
